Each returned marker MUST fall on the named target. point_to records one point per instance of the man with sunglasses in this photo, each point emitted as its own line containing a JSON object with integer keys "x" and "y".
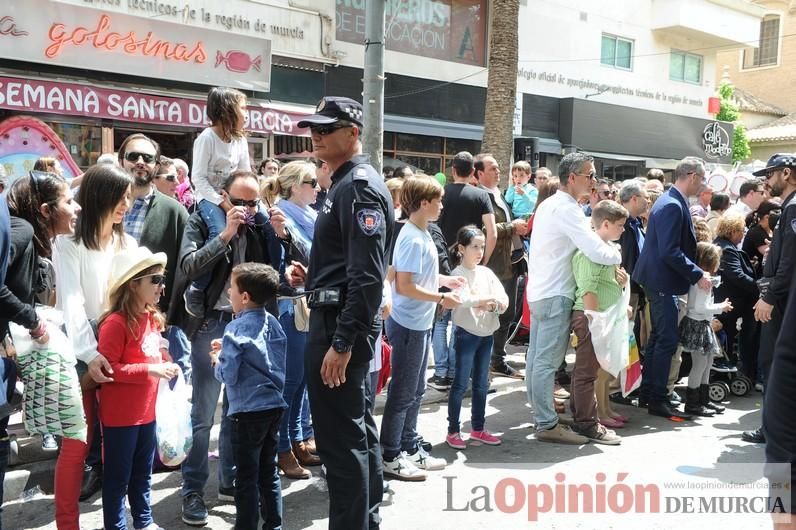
{"x": 778, "y": 268}
{"x": 666, "y": 269}
{"x": 344, "y": 283}
{"x": 751, "y": 195}
{"x": 600, "y": 192}
{"x": 166, "y": 178}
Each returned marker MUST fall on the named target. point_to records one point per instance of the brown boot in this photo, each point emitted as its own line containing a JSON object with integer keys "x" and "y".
{"x": 304, "y": 456}
{"x": 290, "y": 466}
{"x": 309, "y": 443}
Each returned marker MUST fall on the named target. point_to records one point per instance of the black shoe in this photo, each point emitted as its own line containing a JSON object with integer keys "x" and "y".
{"x": 439, "y": 383}
{"x": 756, "y": 436}
{"x": 642, "y": 403}
{"x": 506, "y": 371}
{"x": 92, "y": 482}
{"x": 426, "y": 446}
{"x": 693, "y": 405}
{"x": 226, "y": 494}
{"x": 704, "y": 399}
{"x": 619, "y": 399}
{"x": 665, "y": 410}
{"x": 194, "y": 511}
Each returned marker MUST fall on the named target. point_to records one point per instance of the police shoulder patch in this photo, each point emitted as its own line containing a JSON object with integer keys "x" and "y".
{"x": 369, "y": 220}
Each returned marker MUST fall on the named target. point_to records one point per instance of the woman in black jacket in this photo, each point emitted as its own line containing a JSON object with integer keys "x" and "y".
{"x": 738, "y": 284}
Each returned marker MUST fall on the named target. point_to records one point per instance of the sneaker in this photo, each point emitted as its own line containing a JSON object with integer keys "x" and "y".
{"x": 562, "y": 435}
{"x": 422, "y": 460}
{"x": 600, "y": 435}
{"x": 152, "y": 526}
{"x": 456, "y": 441}
{"x": 401, "y": 468}
{"x": 559, "y": 392}
{"x": 484, "y": 437}
{"x": 194, "y": 302}
{"x": 439, "y": 383}
{"x": 194, "y": 511}
{"x": 48, "y": 442}
{"x": 506, "y": 371}
{"x": 226, "y": 494}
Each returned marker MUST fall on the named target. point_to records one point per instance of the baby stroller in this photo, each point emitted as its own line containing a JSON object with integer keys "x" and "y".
{"x": 725, "y": 378}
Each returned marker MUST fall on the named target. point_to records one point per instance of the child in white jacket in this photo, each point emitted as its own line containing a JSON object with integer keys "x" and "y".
{"x": 475, "y": 321}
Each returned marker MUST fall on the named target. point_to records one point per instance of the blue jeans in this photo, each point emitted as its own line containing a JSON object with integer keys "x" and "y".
{"x": 8, "y": 378}
{"x": 407, "y": 386}
{"x": 474, "y": 354}
{"x": 547, "y": 345}
{"x": 258, "y": 490}
{"x": 444, "y": 352}
{"x": 129, "y": 452}
{"x": 206, "y": 389}
{"x": 180, "y": 350}
{"x": 296, "y": 417}
{"x": 660, "y": 347}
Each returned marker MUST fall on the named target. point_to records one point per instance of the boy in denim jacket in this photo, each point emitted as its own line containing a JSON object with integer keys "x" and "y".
{"x": 251, "y": 364}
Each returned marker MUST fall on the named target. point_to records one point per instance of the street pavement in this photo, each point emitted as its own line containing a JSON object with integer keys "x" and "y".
{"x": 465, "y": 495}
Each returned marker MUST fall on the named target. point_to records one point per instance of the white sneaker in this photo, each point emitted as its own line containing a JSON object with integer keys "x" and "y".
{"x": 403, "y": 469}
{"x": 423, "y": 460}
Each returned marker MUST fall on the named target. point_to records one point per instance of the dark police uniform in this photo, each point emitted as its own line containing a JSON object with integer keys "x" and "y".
{"x": 346, "y": 274}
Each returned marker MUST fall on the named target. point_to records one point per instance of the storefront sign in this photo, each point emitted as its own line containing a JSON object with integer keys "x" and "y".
{"x": 85, "y": 38}
{"x": 71, "y": 99}
{"x": 716, "y": 141}
{"x": 451, "y": 30}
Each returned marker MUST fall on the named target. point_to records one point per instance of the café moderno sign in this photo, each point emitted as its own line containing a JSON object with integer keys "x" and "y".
{"x": 71, "y": 99}
{"x": 52, "y": 33}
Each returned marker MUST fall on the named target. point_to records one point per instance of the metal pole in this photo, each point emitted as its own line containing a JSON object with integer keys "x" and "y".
{"x": 373, "y": 82}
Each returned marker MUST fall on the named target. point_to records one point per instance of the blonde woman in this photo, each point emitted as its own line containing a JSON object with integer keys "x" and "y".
{"x": 295, "y": 188}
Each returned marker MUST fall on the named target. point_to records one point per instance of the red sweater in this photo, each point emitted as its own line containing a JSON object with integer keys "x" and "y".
{"x": 130, "y": 398}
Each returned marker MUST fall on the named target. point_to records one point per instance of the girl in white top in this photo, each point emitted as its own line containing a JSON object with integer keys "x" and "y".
{"x": 475, "y": 321}
{"x": 82, "y": 268}
{"x": 697, "y": 335}
{"x": 218, "y": 151}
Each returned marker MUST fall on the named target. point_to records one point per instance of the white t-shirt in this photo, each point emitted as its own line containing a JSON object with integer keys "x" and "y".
{"x": 415, "y": 252}
{"x": 213, "y": 161}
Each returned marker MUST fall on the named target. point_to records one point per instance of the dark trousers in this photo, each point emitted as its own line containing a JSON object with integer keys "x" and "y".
{"x": 255, "y": 436}
{"x": 768, "y": 339}
{"x": 346, "y": 434}
{"x": 583, "y": 402}
{"x": 506, "y": 319}
{"x": 748, "y": 338}
{"x": 129, "y": 452}
{"x": 8, "y": 378}
{"x": 661, "y": 346}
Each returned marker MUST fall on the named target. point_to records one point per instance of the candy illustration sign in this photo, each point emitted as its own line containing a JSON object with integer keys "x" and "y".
{"x": 71, "y": 99}
{"x": 85, "y": 38}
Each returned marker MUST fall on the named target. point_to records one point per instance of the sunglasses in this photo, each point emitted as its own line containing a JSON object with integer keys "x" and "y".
{"x": 243, "y": 202}
{"x": 323, "y": 130}
{"x": 170, "y": 178}
{"x": 592, "y": 175}
{"x": 133, "y": 157}
{"x": 312, "y": 182}
{"x": 155, "y": 279}
{"x": 606, "y": 193}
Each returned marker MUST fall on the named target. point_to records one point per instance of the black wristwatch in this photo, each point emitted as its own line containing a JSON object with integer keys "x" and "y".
{"x": 341, "y": 346}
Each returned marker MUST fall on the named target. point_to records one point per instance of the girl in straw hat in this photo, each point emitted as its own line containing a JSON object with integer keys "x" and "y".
{"x": 129, "y": 338}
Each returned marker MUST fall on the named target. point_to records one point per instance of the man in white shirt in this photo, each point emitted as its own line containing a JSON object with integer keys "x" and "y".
{"x": 751, "y": 194}
{"x": 560, "y": 228}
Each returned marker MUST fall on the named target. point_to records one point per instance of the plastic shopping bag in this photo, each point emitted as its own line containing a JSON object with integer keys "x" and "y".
{"x": 609, "y": 330}
{"x": 52, "y": 401}
{"x": 173, "y": 418}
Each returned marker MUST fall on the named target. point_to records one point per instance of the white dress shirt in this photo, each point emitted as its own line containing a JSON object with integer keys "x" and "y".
{"x": 559, "y": 229}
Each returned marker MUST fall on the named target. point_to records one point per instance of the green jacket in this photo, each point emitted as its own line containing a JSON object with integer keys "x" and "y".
{"x": 500, "y": 261}
{"x": 163, "y": 226}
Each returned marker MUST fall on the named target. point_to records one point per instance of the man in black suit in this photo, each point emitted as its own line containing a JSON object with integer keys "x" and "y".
{"x": 634, "y": 197}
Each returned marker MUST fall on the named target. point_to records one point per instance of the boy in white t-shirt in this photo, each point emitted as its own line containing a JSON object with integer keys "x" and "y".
{"x": 415, "y": 299}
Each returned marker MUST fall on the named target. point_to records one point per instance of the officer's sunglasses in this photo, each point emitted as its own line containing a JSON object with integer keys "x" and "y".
{"x": 323, "y": 130}
{"x": 133, "y": 157}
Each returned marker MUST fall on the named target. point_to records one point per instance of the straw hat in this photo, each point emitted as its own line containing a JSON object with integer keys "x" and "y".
{"x": 128, "y": 263}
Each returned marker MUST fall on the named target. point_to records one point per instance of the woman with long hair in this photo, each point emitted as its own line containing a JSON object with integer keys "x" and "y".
{"x": 295, "y": 189}
{"x": 82, "y": 265}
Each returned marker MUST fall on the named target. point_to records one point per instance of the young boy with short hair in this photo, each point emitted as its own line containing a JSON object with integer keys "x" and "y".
{"x": 596, "y": 290}
{"x": 251, "y": 364}
{"x": 522, "y": 195}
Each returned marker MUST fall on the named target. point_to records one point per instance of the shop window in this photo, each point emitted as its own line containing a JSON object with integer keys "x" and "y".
{"x": 417, "y": 143}
{"x": 767, "y": 51}
{"x": 455, "y": 145}
{"x": 84, "y": 142}
{"x": 426, "y": 164}
{"x": 685, "y": 67}
{"x": 617, "y": 52}
{"x": 389, "y": 141}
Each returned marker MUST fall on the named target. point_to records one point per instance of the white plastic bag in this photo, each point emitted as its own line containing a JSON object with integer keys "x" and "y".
{"x": 52, "y": 401}
{"x": 173, "y": 419}
{"x": 609, "y": 331}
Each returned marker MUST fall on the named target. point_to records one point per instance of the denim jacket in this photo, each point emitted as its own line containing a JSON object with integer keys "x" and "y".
{"x": 252, "y": 362}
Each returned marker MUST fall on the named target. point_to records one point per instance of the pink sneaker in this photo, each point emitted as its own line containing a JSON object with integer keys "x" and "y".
{"x": 485, "y": 437}
{"x": 455, "y": 440}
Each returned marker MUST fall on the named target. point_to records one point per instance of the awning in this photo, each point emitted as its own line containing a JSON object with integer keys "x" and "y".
{"x": 447, "y": 129}
{"x": 660, "y": 163}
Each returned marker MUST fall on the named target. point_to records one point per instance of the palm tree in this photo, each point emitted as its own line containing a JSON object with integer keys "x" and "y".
{"x": 502, "y": 83}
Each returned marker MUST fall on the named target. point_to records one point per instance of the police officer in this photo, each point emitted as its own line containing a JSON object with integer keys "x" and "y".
{"x": 344, "y": 284}
{"x": 780, "y": 174}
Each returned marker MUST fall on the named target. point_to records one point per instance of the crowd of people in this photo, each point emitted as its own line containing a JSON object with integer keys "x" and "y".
{"x": 277, "y": 290}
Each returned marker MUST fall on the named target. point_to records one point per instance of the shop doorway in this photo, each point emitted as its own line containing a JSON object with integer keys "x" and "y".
{"x": 172, "y": 144}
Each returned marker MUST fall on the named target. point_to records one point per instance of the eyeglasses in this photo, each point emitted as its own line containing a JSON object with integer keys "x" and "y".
{"x": 155, "y": 279}
{"x": 606, "y": 193}
{"x": 243, "y": 202}
{"x": 170, "y": 177}
{"x": 592, "y": 175}
{"x": 312, "y": 182}
{"x": 133, "y": 157}
{"x": 323, "y": 130}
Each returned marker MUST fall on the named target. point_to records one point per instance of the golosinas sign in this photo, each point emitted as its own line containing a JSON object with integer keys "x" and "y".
{"x": 71, "y": 99}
